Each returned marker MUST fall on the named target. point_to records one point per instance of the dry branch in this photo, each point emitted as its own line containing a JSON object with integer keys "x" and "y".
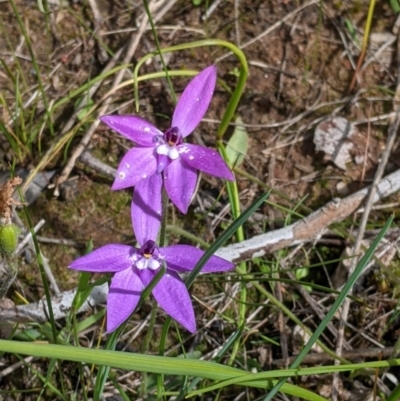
{"x": 305, "y": 230}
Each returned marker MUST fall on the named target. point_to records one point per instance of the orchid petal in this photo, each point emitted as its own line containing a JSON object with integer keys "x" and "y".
{"x": 194, "y": 101}
{"x": 137, "y": 164}
{"x": 123, "y": 297}
{"x": 180, "y": 183}
{"x": 146, "y": 209}
{"x": 205, "y": 159}
{"x": 134, "y": 128}
{"x": 172, "y": 296}
{"x": 162, "y": 162}
{"x": 183, "y": 258}
{"x": 108, "y": 258}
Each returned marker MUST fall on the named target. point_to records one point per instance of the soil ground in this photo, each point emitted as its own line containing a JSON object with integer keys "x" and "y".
{"x": 300, "y": 73}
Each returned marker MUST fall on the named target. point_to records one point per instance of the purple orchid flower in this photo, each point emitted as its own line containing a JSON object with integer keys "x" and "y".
{"x": 135, "y": 268}
{"x": 157, "y": 152}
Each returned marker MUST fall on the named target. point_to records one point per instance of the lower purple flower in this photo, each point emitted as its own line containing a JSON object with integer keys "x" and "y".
{"x": 134, "y": 270}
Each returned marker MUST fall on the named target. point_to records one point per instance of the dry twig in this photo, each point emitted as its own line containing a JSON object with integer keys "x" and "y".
{"x": 305, "y": 230}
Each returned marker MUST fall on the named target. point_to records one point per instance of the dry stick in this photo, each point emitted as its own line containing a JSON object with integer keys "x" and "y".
{"x": 133, "y": 44}
{"x": 271, "y": 28}
{"x": 394, "y": 126}
{"x": 65, "y": 131}
{"x": 305, "y": 230}
{"x": 313, "y": 304}
{"x": 97, "y": 165}
{"x": 99, "y": 32}
{"x": 237, "y": 27}
{"x": 12, "y": 368}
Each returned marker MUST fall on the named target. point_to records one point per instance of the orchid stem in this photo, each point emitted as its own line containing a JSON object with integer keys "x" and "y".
{"x": 163, "y": 230}
{"x": 146, "y": 343}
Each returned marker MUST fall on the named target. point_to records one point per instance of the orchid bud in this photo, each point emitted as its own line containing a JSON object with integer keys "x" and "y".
{"x": 8, "y": 239}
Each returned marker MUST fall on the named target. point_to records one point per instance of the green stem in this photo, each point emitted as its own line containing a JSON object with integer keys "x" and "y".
{"x": 146, "y": 342}
{"x": 244, "y": 71}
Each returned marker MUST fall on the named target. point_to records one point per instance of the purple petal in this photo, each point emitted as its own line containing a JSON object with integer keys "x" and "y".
{"x": 146, "y": 209}
{"x": 194, "y": 101}
{"x": 172, "y": 296}
{"x": 137, "y": 164}
{"x": 108, "y": 258}
{"x": 183, "y": 258}
{"x": 134, "y": 128}
{"x": 123, "y": 297}
{"x": 205, "y": 159}
{"x": 180, "y": 183}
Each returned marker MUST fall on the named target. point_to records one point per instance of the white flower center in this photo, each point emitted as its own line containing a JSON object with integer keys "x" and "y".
{"x": 147, "y": 263}
{"x": 167, "y": 150}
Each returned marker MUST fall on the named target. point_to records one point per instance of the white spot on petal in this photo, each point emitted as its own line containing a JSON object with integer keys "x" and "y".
{"x": 144, "y": 176}
{"x": 146, "y": 129}
{"x": 121, "y": 175}
{"x": 127, "y": 165}
{"x": 191, "y": 157}
{"x": 197, "y": 99}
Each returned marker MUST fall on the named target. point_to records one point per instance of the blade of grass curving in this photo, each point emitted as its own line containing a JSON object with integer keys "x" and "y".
{"x": 244, "y": 71}
{"x": 299, "y": 372}
{"x": 151, "y": 363}
{"x": 153, "y": 30}
{"x": 339, "y": 300}
{"x": 224, "y": 237}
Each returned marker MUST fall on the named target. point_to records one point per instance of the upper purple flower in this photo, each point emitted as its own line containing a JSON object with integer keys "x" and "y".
{"x": 158, "y": 152}
{"x": 135, "y": 268}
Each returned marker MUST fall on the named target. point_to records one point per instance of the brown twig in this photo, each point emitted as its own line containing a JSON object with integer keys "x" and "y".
{"x": 393, "y": 129}
{"x": 305, "y": 230}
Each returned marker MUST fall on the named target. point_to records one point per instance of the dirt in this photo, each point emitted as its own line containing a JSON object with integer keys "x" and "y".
{"x": 300, "y": 73}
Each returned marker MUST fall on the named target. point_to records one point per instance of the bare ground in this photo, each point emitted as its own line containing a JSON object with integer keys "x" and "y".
{"x": 300, "y": 73}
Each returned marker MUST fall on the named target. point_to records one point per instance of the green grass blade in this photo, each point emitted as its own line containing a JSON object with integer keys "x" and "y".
{"x": 225, "y": 235}
{"x": 147, "y": 363}
{"x": 343, "y": 294}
